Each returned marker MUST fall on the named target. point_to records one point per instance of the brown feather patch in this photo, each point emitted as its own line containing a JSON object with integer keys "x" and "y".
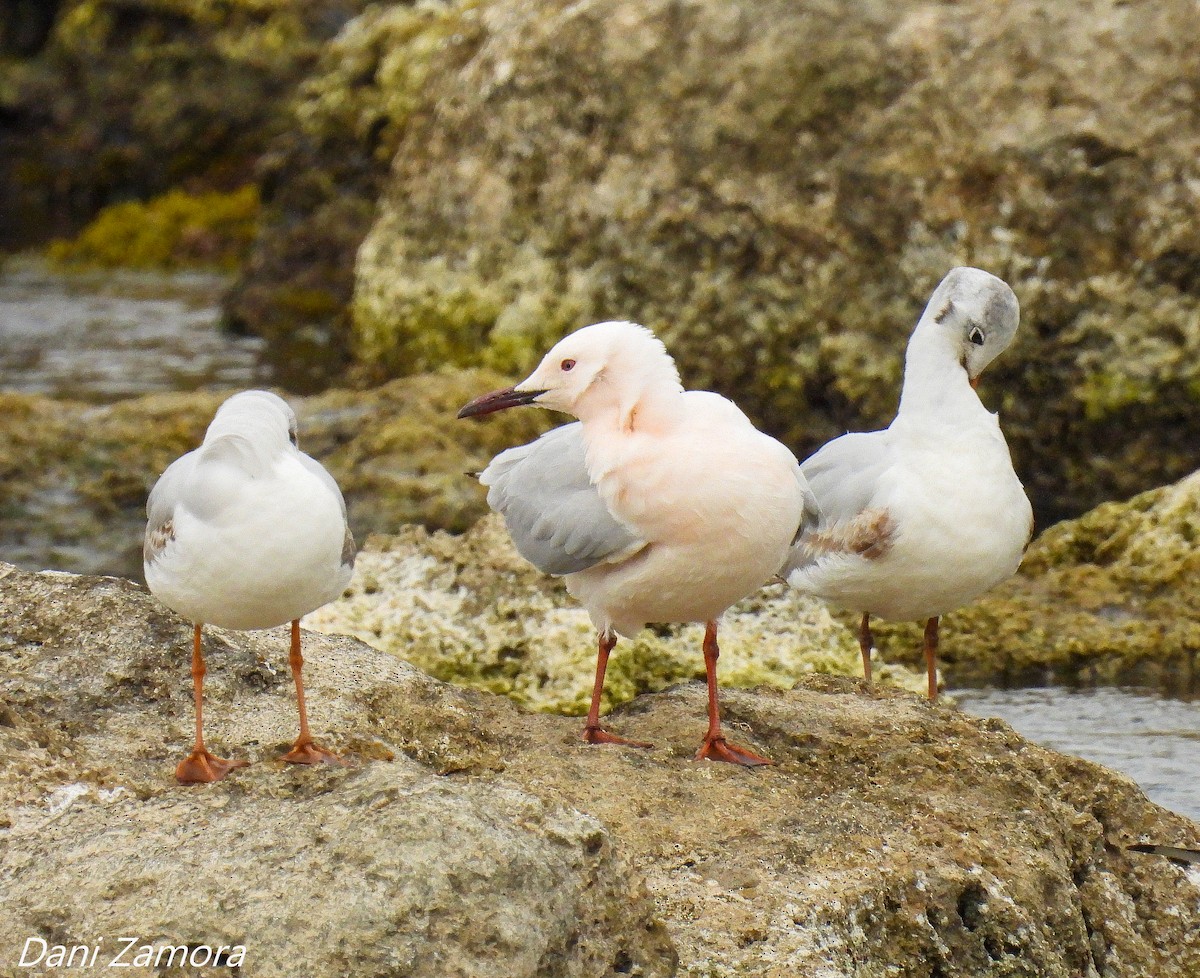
{"x": 870, "y": 535}
{"x": 156, "y": 540}
{"x": 349, "y": 550}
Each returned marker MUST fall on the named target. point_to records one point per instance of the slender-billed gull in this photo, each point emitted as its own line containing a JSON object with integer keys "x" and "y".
{"x": 660, "y": 505}
{"x": 247, "y": 532}
{"x": 924, "y": 516}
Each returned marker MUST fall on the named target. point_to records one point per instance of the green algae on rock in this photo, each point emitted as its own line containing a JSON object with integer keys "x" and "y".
{"x": 778, "y": 204}
{"x": 322, "y": 177}
{"x": 891, "y": 837}
{"x": 77, "y": 476}
{"x": 471, "y": 611}
{"x": 1110, "y": 598}
{"x": 173, "y": 230}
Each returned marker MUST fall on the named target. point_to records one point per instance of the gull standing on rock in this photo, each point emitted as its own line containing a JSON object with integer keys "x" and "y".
{"x": 660, "y": 505}
{"x": 247, "y": 532}
{"x": 923, "y": 517}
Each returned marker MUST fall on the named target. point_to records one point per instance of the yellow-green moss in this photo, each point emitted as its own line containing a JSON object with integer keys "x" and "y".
{"x": 471, "y": 611}
{"x": 176, "y": 229}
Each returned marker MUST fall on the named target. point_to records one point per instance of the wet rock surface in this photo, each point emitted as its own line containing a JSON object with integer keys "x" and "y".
{"x": 470, "y": 838}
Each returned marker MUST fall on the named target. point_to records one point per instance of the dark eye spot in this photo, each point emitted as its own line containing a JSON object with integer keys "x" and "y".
{"x": 567, "y": 364}
{"x": 976, "y": 336}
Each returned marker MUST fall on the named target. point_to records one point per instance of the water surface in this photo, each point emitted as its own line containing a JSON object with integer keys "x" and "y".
{"x": 1156, "y": 741}
{"x": 103, "y": 336}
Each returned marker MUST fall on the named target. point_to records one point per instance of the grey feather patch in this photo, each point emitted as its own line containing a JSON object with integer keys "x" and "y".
{"x": 349, "y": 550}
{"x": 556, "y": 517}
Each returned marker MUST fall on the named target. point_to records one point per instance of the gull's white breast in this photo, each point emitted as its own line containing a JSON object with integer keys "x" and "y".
{"x": 961, "y": 521}
{"x": 717, "y": 503}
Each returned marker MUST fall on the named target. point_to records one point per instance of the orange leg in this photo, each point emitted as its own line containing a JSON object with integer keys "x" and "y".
{"x": 715, "y": 746}
{"x": 593, "y": 733}
{"x": 305, "y": 750}
{"x": 931, "y": 647}
{"x": 201, "y": 767}
{"x": 865, "y": 641}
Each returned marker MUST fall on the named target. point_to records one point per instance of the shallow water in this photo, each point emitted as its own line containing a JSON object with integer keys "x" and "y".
{"x": 1155, "y": 741}
{"x": 103, "y": 336}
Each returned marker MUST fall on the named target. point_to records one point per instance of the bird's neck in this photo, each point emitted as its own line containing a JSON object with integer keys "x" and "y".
{"x": 935, "y": 381}
{"x": 609, "y": 425}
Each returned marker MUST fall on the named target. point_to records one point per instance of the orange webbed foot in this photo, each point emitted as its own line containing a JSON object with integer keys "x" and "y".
{"x": 201, "y": 767}
{"x": 598, "y": 735}
{"x": 309, "y": 752}
{"x": 719, "y": 749}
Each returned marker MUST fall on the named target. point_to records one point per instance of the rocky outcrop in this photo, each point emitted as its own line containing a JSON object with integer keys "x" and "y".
{"x": 74, "y": 478}
{"x": 322, "y": 179}
{"x": 779, "y": 203}
{"x": 470, "y": 838}
{"x": 1108, "y": 599}
{"x": 470, "y": 610}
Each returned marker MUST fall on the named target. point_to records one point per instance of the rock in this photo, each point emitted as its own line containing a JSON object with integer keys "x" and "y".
{"x": 779, "y": 204}
{"x": 173, "y": 230}
{"x": 388, "y": 868}
{"x": 322, "y": 177}
{"x": 470, "y": 610}
{"x": 130, "y": 98}
{"x": 1108, "y": 599}
{"x": 74, "y": 478}
{"x": 892, "y": 837}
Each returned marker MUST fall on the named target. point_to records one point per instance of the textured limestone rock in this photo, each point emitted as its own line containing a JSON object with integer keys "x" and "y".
{"x": 776, "y": 187}
{"x": 74, "y": 478}
{"x": 470, "y": 610}
{"x": 322, "y": 177}
{"x": 386, "y": 868}
{"x": 1109, "y": 598}
{"x": 891, "y": 838}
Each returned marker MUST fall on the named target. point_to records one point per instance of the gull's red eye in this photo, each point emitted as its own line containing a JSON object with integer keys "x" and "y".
{"x": 568, "y": 364}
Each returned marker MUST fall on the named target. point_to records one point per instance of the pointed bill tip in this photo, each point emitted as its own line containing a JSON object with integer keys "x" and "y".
{"x": 498, "y": 401}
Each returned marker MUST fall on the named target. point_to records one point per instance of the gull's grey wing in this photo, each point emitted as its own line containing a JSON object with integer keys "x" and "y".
{"x": 554, "y": 514}
{"x": 844, "y": 474}
{"x": 160, "y": 507}
{"x": 844, "y": 477}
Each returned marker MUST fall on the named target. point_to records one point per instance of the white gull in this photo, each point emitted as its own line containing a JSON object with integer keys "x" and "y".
{"x": 660, "y": 505}
{"x": 247, "y": 532}
{"x": 923, "y": 517}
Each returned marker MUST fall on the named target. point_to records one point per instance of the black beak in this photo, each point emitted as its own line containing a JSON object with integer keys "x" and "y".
{"x": 498, "y": 401}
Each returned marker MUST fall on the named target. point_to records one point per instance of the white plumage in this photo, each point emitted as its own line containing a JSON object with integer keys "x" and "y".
{"x": 924, "y": 516}
{"x": 660, "y": 506}
{"x": 247, "y": 532}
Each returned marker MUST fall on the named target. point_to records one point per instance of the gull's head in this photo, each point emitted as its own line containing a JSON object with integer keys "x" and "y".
{"x": 261, "y": 416}
{"x": 606, "y": 364}
{"x": 977, "y": 314}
